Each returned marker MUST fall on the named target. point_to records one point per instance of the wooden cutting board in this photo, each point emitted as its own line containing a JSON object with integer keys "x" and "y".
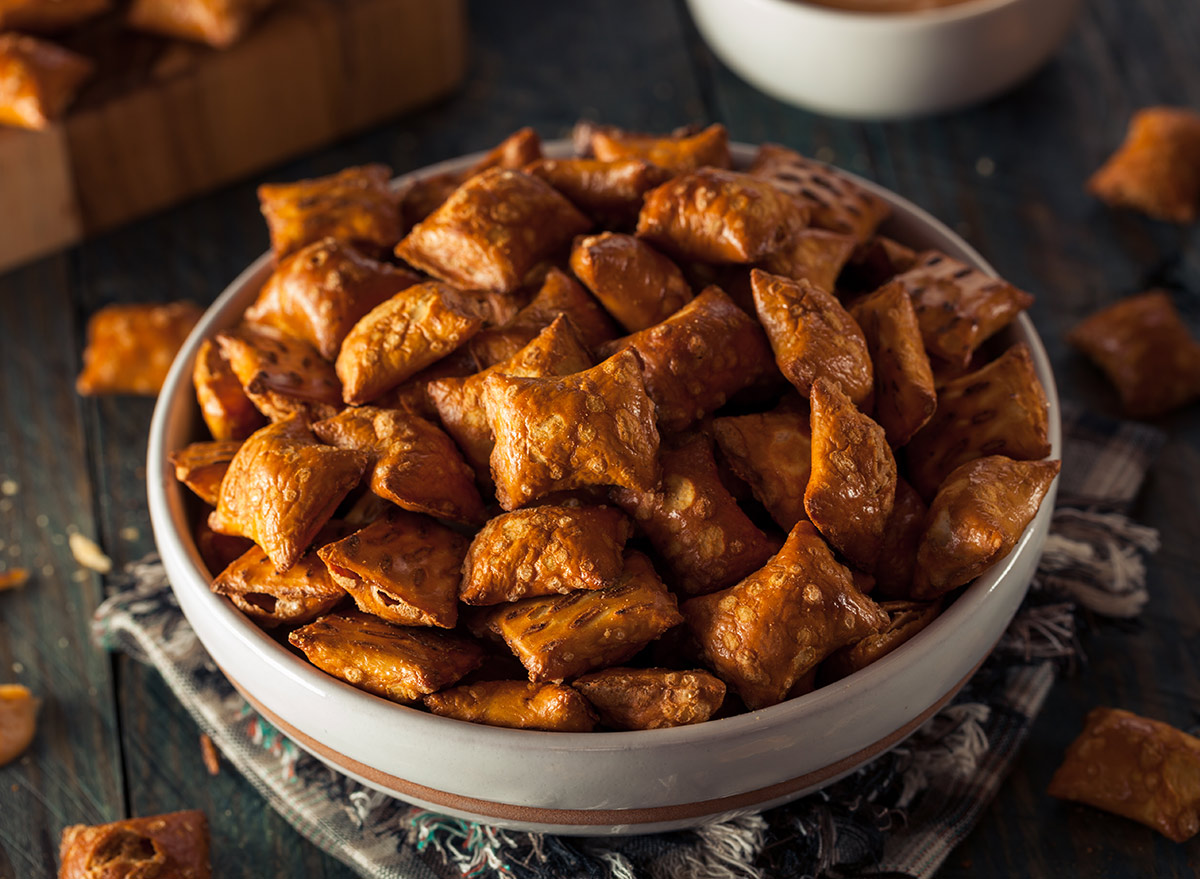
{"x": 190, "y": 118}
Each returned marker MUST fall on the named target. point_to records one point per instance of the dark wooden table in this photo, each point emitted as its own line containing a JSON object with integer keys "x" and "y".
{"x": 113, "y": 741}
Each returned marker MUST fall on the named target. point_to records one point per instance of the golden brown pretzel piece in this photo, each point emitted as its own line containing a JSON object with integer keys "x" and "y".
{"x": 1146, "y": 350}
{"x": 720, "y": 216}
{"x": 38, "y": 80}
{"x": 677, "y": 154}
{"x": 694, "y": 523}
{"x": 852, "y": 487}
{"x": 402, "y": 336}
{"x": 171, "y": 845}
{"x": 1133, "y": 766}
{"x": 297, "y": 596}
{"x": 1157, "y": 168}
{"x": 414, "y": 464}
{"x": 636, "y": 284}
{"x": 596, "y": 427}
{"x": 282, "y": 487}
{"x": 545, "y": 550}
{"x": 557, "y": 350}
{"x": 355, "y": 205}
{"x": 1000, "y": 409}
{"x": 812, "y": 335}
{"x": 400, "y": 663}
{"x": 322, "y": 290}
{"x": 835, "y": 202}
{"x": 652, "y": 698}
{"x": 905, "y": 397}
{"x": 562, "y": 636}
{"x": 516, "y": 704}
{"x": 130, "y": 348}
{"x": 979, "y": 514}
{"x": 698, "y": 358}
{"x": 227, "y": 411}
{"x": 403, "y": 568}
{"x": 764, "y": 634}
{"x": 959, "y": 307}
{"x": 493, "y": 231}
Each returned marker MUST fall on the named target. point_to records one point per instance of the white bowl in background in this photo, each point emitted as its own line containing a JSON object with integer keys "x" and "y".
{"x": 872, "y": 65}
{"x": 588, "y": 783}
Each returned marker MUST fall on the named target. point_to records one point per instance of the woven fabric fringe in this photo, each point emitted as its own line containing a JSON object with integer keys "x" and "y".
{"x": 898, "y": 816}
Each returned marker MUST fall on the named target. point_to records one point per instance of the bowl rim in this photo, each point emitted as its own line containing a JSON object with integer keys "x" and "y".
{"x": 168, "y": 503}
{"x": 914, "y": 18}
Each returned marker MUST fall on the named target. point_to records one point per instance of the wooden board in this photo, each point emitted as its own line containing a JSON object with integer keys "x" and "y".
{"x": 311, "y": 72}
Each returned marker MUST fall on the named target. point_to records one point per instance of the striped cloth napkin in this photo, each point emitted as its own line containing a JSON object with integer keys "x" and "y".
{"x": 899, "y": 816}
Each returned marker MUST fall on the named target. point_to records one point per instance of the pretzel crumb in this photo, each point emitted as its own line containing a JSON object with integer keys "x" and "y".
{"x": 208, "y": 753}
{"x": 13, "y": 578}
{"x": 88, "y": 554}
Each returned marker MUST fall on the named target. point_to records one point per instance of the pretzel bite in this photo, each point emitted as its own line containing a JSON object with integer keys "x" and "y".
{"x": 835, "y": 201}
{"x": 322, "y": 290}
{"x": 216, "y": 23}
{"x": 544, "y": 550}
{"x": 901, "y": 537}
{"x": 694, "y": 523}
{"x": 492, "y": 232}
{"x": 1000, "y": 409}
{"x": 594, "y": 427}
{"x": 38, "y": 80}
{"x": 422, "y": 197}
{"x": 816, "y": 256}
{"x": 218, "y": 551}
{"x": 764, "y": 634}
{"x": 1147, "y": 352}
{"x": 652, "y": 698}
{"x": 403, "y": 568}
{"x": 228, "y": 412}
{"x": 282, "y": 487}
{"x": 47, "y": 16}
{"x": 904, "y": 393}
{"x": 299, "y": 595}
{"x": 978, "y": 516}
{"x": 633, "y": 281}
{"x": 699, "y": 357}
{"x": 812, "y": 335}
{"x": 557, "y": 350}
{"x": 719, "y": 216}
{"x": 772, "y": 452}
{"x": 18, "y": 721}
{"x": 852, "y": 487}
{"x": 905, "y": 619}
{"x": 958, "y": 307}
{"x": 562, "y": 636}
{"x": 130, "y": 347}
{"x": 874, "y": 263}
{"x": 559, "y": 294}
{"x": 398, "y": 339}
{"x": 281, "y": 375}
{"x": 413, "y": 463}
{"x": 398, "y": 663}
{"x": 174, "y": 844}
{"x": 676, "y": 154}
{"x": 202, "y": 466}
{"x": 355, "y": 205}
{"x": 610, "y": 192}
{"x": 517, "y": 705}
{"x": 1136, "y": 767}
{"x": 1157, "y": 169}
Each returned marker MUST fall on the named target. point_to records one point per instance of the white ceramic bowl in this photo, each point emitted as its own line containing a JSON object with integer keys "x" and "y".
{"x": 883, "y": 65}
{"x": 587, "y": 783}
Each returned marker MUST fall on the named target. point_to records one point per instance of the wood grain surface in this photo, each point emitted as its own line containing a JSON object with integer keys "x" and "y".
{"x": 1007, "y": 175}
